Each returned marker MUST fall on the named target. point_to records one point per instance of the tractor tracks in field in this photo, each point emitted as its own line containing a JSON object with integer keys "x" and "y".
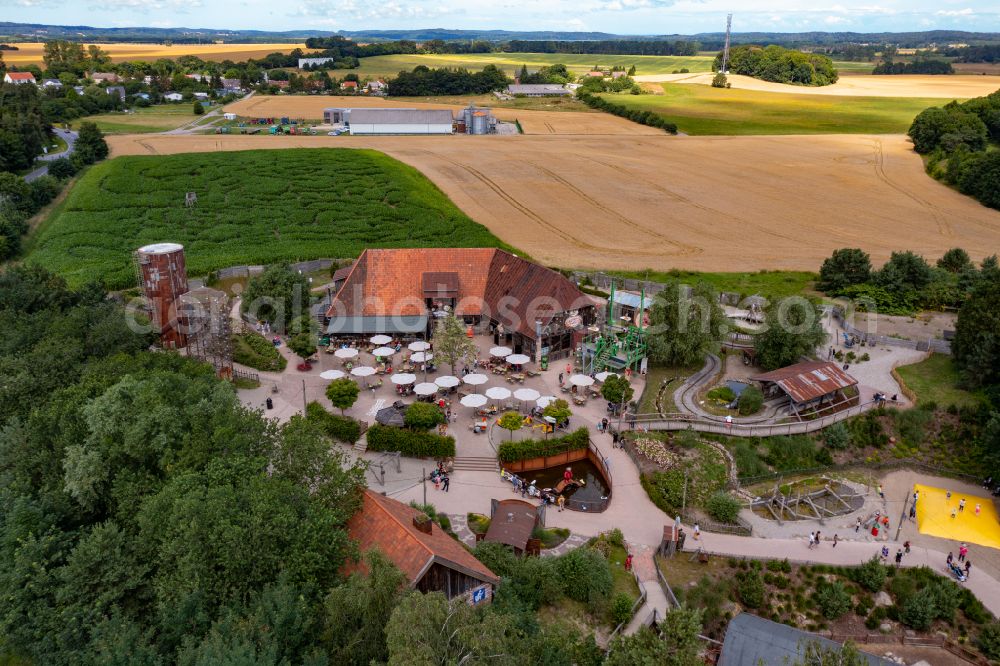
{"x": 944, "y": 227}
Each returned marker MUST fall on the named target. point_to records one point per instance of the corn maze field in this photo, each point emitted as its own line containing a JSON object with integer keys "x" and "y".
{"x": 253, "y": 207}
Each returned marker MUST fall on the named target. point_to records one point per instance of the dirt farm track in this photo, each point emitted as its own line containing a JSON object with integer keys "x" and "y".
{"x": 661, "y": 202}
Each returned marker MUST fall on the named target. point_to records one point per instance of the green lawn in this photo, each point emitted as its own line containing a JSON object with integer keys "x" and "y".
{"x": 700, "y": 110}
{"x": 936, "y": 380}
{"x": 655, "y": 375}
{"x": 510, "y": 62}
{"x": 254, "y": 207}
{"x": 157, "y": 118}
{"x": 769, "y": 284}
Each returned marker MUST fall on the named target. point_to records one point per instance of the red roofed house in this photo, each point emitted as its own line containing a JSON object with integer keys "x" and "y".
{"x": 431, "y": 560}
{"x": 18, "y": 77}
{"x": 349, "y": 85}
{"x": 810, "y": 385}
{"x": 402, "y": 291}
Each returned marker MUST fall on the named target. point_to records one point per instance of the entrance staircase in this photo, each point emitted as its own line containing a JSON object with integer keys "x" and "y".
{"x": 475, "y": 464}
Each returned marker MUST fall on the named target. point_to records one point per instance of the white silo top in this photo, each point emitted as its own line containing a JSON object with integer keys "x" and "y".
{"x": 161, "y": 248}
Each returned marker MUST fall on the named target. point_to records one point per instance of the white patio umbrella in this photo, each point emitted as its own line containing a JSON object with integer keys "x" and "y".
{"x": 447, "y": 381}
{"x": 384, "y": 351}
{"x": 332, "y": 374}
{"x": 526, "y": 394}
{"x": 518, "y": 359}
{"x": 475, "y": 379}
{"x": 545, "y": 401}
{"x": 403, "y": 378}
{"x": 380, "y": 339}
{"x": 581, "y": 380}
{"x": 425, "y": 388}
{"x": 418, "y": 346}
{"x": 473, "y": 400}
{"x": 346, "y": 352}
{"x": 502, "y": 352}
{"x": 497, "y": 393}
{"x": 421, "y": 357}
{"x": 603, "y": 376}
{"x": 362, "y": 371}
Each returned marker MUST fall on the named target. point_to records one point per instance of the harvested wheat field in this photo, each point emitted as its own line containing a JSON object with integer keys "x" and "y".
{"x": 957, "y": 86}
{"x": 532, "y": 122}
{"x": 31, "y": 52}
{"x": 696, "y": 203}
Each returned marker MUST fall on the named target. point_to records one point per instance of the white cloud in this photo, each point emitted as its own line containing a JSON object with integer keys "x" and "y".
{"x": 146, "y": 6}
{"x": 954, "y": 12}
{"x": 835, "y": 20}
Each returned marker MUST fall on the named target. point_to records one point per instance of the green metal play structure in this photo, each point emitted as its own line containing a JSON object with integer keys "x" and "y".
{"x": 618, "y": 346}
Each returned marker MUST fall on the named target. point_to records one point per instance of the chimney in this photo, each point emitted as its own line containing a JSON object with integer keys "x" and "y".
{"x": 422, "y": 523}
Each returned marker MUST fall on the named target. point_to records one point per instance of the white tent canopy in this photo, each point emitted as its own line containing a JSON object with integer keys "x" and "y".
{"x": 526, "y": 394}
{"x": 346, "y": 352}
{"x": 447, "y": 381}
{"x": 403, "y": 378}
{"x": 497, "y": 393}
{"x": 418, "y": 346}
{"x": 425, "y": 388}
{"x": 581, "y": 380}
{"x": 332, "y": 374}
{"x": 518, "y": 359}
{"x": 474, "y": 400}
{"x": 384, "y": 351}
{"x": 362, "y": 371}
{"x": 380, "y": 339}
{"x": 502, "y": 352}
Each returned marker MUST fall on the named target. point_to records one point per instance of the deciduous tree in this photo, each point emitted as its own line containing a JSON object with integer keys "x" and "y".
{"x": 793, "y": 329}
{"x": 684, "y": 327}
{"x": 451, "y": 344}
{"x": 343, "y": 393}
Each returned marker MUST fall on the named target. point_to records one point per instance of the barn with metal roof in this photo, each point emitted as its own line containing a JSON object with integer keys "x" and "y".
{"x": 400, "y": 121}
{"x": 753, "y": 641}
{"x": 809, "y": 384}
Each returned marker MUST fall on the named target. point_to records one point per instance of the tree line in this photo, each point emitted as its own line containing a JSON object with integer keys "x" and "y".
{"x": 918, "y": 66}
{"x": 604, "y": 47}
{"x": 424, "y": 81}
{"x": 980, "y": 53}
{"x": 781, "y": 65}
{"x": 635, "y": 115}
{"x": 957, "y": 138}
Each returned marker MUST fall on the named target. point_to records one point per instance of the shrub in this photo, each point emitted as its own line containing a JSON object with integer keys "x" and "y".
{"x": 615, "y": 538}
{"x": 422, "y": 416}
{"x": 257, "y": 352}
{"x": 972, "y": 607}
{"x": 197, "y": 109}
{"x": 722, "y": 394}
{"x": 621, "y": 608}
{"x": 61, "y": 168}
{"x": 870, "y": 575}
{"x": 750, "y": 588}
{"x": 341, "y": 428}
{"x": 833, "y": 599}
{"x": 919, "y": 610}
{"x": 723, "y": 507}
{"x": 751, "y": 400}
{"x": 42, "y": 191}
{"x": 748, "y": 462}
{"x": 526, "y": 449}
{"x": 837, "y": 436}
{"x": 585, "y": 576}
{"x": 410, "y": 442}
{"x": 864, "y": 605}
{"x": 988, "y": 640}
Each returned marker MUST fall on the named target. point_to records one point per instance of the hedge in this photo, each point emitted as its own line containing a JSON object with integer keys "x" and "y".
{"x": 338, "y": 427}
{"x": 635, "y": 115}
{"x": 410, "y": 442}
{"x": 536, "y": 448}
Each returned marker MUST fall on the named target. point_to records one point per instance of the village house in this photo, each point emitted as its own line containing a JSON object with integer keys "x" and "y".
{"x": 19, "y": 77}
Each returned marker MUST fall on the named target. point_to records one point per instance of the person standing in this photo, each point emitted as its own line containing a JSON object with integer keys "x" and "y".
{"x": 697, "y": 532}
{"x": 913, "y": 511}
{"x": 628, "y": 562}
{"x": 445, "y": 483}
{"x": 961, "y": 505}
{"x": 857, "y": 527}
{"x": 963, "y": 550}
{"x": 968, "y": 568}
{"x": 812, "y": 540}
{"x": 906, "y": 547}
{"x": 899, "y": 557}
{"x": 880, "y": 492}
{"x": 817, "y": 538}
{"x": 978, "y": 509}
{"x": 949, "y": 559}
{"x": 561, "y": 502}
{"x": 835, "y": 540}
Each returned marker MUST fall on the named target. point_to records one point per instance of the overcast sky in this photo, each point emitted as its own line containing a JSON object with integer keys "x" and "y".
{"x": 618, "y": 16}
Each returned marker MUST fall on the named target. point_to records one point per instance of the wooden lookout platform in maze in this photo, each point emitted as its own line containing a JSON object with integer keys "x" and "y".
{"x": 833, "y": 499}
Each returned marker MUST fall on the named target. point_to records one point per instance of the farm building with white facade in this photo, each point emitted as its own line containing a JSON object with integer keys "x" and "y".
{"x": 392, "y": 121}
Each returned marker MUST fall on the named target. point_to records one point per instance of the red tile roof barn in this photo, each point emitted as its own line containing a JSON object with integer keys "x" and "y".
{"x": 809, "y": 380}
{"x": 386, "y": 282}
{"x": 387, "y": 524}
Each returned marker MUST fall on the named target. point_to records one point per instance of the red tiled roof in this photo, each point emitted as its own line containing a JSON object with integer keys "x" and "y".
{"x": 386, "y": 282}
{"x": 387, "y": 524}
{"x": 21, "y": 76}
{"x": 349, "y": 84}
{"x": 809, "y": 380}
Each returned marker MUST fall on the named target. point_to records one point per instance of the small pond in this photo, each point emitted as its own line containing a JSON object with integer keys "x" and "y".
{"x": 592, "y": 491}
{"x": 736, "y": 386}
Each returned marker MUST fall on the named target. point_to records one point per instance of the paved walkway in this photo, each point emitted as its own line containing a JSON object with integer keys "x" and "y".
{"x": 656, "y": 599}
{"x": 70, "y": 138}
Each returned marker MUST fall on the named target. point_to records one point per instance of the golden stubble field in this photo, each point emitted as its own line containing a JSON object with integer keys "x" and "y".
{"x": 655, "y": 201}
{"x": 31, "y": 52}
{"x": 532, "y": 122}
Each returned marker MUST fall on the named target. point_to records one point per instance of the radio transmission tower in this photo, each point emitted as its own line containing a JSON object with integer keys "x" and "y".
{"x": 725, "y": 49}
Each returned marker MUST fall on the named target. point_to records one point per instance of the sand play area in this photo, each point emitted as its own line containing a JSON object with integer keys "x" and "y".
{"x": 699, "y": 203}
{"x": 939, "y": 514}
{"x": 956, "y": 86}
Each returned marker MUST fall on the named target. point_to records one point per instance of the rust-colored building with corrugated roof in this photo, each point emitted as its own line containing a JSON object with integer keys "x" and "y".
{"x": 431, "y": 560}
{"x": 809, "y": 384}
{"x": 402, "y": 291}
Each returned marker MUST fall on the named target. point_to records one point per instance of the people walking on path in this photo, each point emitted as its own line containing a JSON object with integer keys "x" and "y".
{"x": 817, "y": 537}
{"x": 812, "y": 540}
{"x": 857, "y": 526}
{"x": 885, "y": 554}
{"x": 697, "y": 531}
{"x": 834, "y": 540}
{"x": 906, "y": 547}
{"x": 913, "y": 511}
{"x": 963, "y": 550}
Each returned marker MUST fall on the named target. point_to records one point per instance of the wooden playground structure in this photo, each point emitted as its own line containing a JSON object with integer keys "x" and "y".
{"x": 832, "y": 499}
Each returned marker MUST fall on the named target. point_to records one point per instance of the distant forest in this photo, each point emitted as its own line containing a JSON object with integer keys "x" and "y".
{"x": 919, "y": 66}
{"x": 605, "y": 47}
{"x": 986, "y": 53}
